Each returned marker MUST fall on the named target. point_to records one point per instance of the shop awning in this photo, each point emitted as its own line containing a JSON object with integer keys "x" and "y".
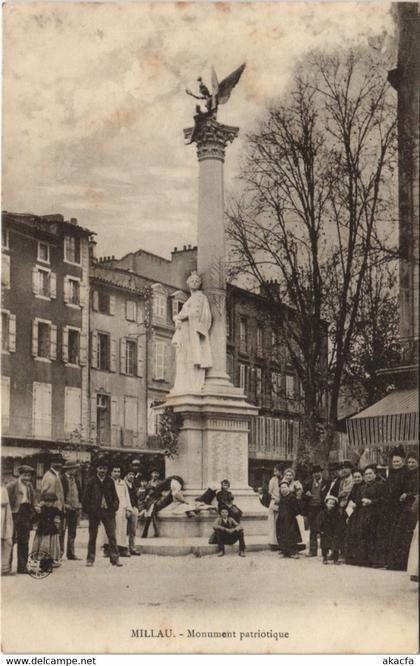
{"x": 391, "y": 421}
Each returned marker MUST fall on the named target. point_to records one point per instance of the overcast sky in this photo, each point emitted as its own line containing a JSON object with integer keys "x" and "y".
{"x": 94, "y": 102}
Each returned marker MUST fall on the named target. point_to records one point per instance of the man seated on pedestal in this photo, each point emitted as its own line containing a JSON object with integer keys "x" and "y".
{"x": 228, "y": 531}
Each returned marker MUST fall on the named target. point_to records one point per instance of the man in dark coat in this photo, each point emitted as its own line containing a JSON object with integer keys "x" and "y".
{"x": 101, "y": 503}
{"x": 314, "y": 495}
{"x": 22, "y": 505}
{"x": 72, "y": 506}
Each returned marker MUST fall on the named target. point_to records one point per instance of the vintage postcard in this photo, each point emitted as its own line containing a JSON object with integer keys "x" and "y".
{"x": 210, "y": 327}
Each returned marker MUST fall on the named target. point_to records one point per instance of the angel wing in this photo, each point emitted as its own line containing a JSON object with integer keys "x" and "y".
{"x": 226, "y": 86}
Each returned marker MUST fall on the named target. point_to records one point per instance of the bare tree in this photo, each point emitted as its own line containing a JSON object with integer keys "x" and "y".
{"x": 314, "y": 187}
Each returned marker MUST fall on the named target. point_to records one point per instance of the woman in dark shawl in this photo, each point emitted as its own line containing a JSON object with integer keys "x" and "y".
{"x": 402, "y": 533}
{"x": 288, "y": 533}
{"x": 369, "y": 506}
{"x": 353, "y": 521}
{"x": 394, "y": 487}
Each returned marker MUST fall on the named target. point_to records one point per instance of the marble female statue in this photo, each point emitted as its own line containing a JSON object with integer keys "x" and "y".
{"x": 191, "y": 339}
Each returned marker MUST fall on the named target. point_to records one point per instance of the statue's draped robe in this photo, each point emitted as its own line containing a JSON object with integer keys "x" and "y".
{"x": 191, "y": 339}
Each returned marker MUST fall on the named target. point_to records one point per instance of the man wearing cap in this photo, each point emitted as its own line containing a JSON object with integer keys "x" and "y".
{"x": 52, "y": 484}
{"x": 72, "y": 506}
{"x": 100, "y": 502}
{"x": 314, "y": 494}
{"x": 22, "y": 504}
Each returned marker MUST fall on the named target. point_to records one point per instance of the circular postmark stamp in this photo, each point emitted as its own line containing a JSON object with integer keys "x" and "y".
{"x": 40, "y": 564}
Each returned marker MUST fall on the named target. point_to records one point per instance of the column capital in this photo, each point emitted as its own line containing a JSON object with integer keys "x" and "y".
{"x": 211, "y": 137}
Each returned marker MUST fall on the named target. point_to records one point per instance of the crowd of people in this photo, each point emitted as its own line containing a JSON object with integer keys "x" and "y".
{"x": 358, "y": 517}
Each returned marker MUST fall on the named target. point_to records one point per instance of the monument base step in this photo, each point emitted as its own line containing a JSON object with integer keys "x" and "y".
{"x": 184, "y": 527}
{"x": 197, "y": 546}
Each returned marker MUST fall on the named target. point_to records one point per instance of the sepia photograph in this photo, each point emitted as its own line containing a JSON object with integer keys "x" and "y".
{"x": 209, "y": 327}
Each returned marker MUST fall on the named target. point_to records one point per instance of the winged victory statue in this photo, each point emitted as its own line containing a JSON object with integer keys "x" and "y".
{"x": 219, "y": 95}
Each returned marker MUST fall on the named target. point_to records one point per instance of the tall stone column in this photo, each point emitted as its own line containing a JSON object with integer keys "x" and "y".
{"x": 211, "y": 139}
{"x": 214, "y": 438}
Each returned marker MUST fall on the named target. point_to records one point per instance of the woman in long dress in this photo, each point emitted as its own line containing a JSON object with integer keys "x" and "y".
{"x": 402, "y": 533}
{"x": 274, "y": 492}
{"x": 296, "y": 488}
{"x": 288, "y": 533}
{"x": 353, "y": 509}
{"x": 369, "y": 508}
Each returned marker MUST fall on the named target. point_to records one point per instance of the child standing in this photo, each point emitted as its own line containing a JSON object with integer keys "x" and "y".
{"x": 330, "y": 529}
{"x": 46, "y": 544}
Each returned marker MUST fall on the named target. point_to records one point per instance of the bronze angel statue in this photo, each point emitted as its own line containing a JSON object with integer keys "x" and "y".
{"x": 220, "y": 91}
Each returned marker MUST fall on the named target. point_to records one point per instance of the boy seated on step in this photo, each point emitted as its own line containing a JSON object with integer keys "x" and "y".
{"x": 228, "y": 531}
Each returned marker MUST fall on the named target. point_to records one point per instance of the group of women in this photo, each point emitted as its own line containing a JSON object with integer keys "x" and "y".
{"x": 377, "y": 518}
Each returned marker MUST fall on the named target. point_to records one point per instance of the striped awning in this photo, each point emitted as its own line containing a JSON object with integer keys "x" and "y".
{"x": 391, "y": 421}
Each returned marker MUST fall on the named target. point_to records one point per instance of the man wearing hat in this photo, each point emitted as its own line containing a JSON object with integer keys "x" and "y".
{"x": 22, "y": 504}
{"x": 52, "y": 484}
{"x": 314, "y": 494}
{"x": 100, "y": 502}
{"x": 72, "y": 506}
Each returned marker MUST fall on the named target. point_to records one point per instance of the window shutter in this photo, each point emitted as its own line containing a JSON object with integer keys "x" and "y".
{"x": 165, "y": 361}
{"x": 5, "y": 270}
{"x": 53, "y": 285}
{"x": 140, "y": 313}
{"x": 53, "y": 342}
{"x": 83, "y": 349}
{"x": 35, "y": 338}
{"x": 82, "y": 294}
{"x": 113, "y": 364}
{"x": 35, "y": 281}
{"x": 123, "y": 356}
{"x": 115, "y": 424}
{"x": 93, "y": 417}
{"x": 95, "y": 300}
{"x": 139, "y": 358}
{"x": 12, "y": 333}
{"x": 94, "y": 350}
{"x": 65, "y": 345}
{"x": 111, "y": 304}
{"x": 66, "y": 290}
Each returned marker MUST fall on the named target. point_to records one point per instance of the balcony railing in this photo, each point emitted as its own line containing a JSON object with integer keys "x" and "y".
{"x": 405, "y": 352}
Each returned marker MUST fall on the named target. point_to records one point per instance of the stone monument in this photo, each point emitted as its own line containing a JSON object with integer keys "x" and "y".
{"x": 213, "y": 441}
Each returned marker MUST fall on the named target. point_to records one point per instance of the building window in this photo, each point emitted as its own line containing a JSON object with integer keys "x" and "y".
{"x": 72, "y": 249}
{"x": 159, "y": 305}
{"x": 43, "y": 252}
{"x": 103, "y": 302}
{"x": 290, "y": 386}
{"x": 44, "y": 340}
{"x": 5, "y": 239}
{"x": 74, "y": 346}
{"x": 43, "y": 282}
{"x": 5, "y": 331}
{"x": 243, "y": 335}
{"x": 259, "y": 341}
{"x": 131, "y": 310}
{"x": 259, "y": 384}
{"x": 5, "y": 271}
{"x": 103, "y": 418}
{"x": 276, "y": 386}
{"x": 5, "y": 402}
{"x": 160, "y": 360}
{"x": 244, "y": 375}
{"x": 74, "y": 291}
{"x": 131, "y": 357}
{"x": 103, "y": 351}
